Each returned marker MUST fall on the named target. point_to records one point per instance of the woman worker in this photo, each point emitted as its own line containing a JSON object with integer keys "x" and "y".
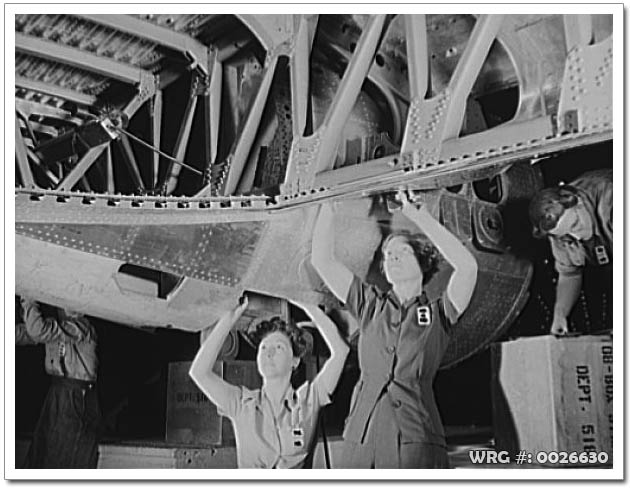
{"x": 393, "y": 420}
{"x": 275, "y": 425}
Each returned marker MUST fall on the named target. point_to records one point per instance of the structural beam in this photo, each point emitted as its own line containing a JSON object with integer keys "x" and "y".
{"x": 248, "y": 133}
{"x": 348, "y": 91}
{"x": 214, "y": 112}
{"x": 29, "y": 108}
{"x": 155, "y": 121}
{"x": 55, "y": 91}
{"x": 417, "y": 55}
{"x": 299, "y": 66}
{"x": 42, "y": 167}
{"x": 22, "y": 158}
{"x": 271, "y": 30}
{"x": 81, "y": 168}
{"x": 79, "y": 59}
{"x": 111, "y": 186}
{"x": 181, "y": 144}
{"x": 467, "y": 71}
{"x": 578, "y": 30}
{"x": 162, "y": 36}
{"x": 130, "y": 161}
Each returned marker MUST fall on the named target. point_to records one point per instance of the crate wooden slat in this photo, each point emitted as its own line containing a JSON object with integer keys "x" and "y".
{"x": 553, "y": 394}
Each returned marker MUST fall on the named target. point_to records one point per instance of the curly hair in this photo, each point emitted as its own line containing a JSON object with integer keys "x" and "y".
{"x": 426, "y": 253}
{"x": 295, "y": 335}
{"x": 547, "y": 206}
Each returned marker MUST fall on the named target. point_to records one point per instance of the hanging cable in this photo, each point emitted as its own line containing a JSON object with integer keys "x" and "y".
{"x": 163, "y": 154}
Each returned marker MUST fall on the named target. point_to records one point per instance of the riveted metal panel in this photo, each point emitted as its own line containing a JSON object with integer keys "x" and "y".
{"x": 219, "y": 253}
{"x": 497, "y": 299}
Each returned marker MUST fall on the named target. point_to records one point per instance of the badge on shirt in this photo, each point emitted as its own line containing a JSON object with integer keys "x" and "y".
{"x": 298, "y": 437}
{"x": 423, "y": 315}
{"x": 601, "y": 255}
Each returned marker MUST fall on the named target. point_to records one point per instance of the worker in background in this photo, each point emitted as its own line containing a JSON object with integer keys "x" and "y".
{"x": 394, "y": 421}
{"x": 274, "y": 426}
{"x": 66, "y": 434}
{"x": 577, "y": 220}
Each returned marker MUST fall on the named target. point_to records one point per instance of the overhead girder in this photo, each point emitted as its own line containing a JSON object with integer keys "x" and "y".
{"x": 55, "y": 90}
{"x": 49, "y": 130}
{"x": 130, "y": 160}
{"x": 308, "y": 154}
{"x": 467, "y": 70}
{"x": 146, "y": 90}
{"x": 22, "y": 158}
{"x": 212, "y": 111}
{"x": 155, "y": 121}
{"x": 417, "y": 55}
{"x": 109, "y": 169}
{"x": 271, "y": 30}
{"x": 299, "y": 66}
{"x": 78, "y": 172}
{"x": 81, "y": 59}
{"x": 197, "y": 52}
{"x": 578, "y": 30}
{"x": 275, "y": 36}
{"x": 291, "y": 37}
{"x": 432, "y": 121}
{"x": 235, "y": 163}
{"x": 181, "y": 144}
{"x": 31, "y": 108}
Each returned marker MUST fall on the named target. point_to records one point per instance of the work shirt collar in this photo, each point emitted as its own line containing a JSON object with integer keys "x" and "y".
{"x": 289, "y": 401}
{"x": 418, "y": 299}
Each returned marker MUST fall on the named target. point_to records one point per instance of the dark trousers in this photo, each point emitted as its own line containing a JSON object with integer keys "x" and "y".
{"x": 66, "y": 434}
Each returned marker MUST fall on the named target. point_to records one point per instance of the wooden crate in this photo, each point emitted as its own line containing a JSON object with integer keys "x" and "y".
{"x": 191, "y": 418}
{"x": 553, "y": 394}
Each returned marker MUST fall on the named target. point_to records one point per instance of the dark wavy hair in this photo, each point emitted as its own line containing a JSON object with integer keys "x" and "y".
{"x": 296, "y": 336}
{"x": 426, "y": 253}
{"x": 547, "y": 207}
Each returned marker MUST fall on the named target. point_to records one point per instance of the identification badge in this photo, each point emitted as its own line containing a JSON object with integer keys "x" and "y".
{"x": 423, "y": 315}
{"x": 601, "y": 255}
{"x": 298, "y": 437}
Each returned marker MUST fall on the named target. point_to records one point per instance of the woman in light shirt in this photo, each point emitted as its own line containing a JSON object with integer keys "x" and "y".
{"x": 274, "y": 425}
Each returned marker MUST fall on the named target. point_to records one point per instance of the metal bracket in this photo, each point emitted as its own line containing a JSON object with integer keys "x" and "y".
{"x": 146, "y": 89}
{"x": 586, "y": 96}
{"x": 304, "y": 152}
{"x": 425, "y": 126}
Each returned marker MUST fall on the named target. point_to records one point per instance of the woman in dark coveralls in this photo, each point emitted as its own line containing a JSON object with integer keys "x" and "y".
{"x": 66, "y": 434}
{"x": 393, "y": 420}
